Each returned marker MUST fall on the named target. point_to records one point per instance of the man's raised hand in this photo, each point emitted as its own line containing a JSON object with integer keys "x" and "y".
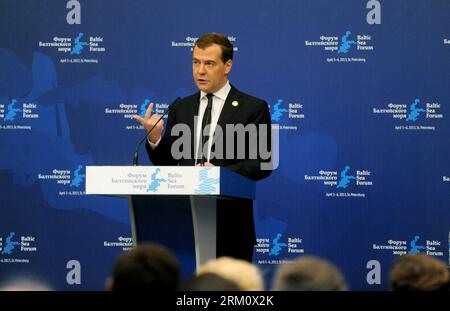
{"x": 149, "y": 121}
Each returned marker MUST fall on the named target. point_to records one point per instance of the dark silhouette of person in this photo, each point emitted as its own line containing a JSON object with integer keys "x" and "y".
{"x": 418, "y": 272}
{"x": 146, "y": 267}
{"x": 309, "y": 273}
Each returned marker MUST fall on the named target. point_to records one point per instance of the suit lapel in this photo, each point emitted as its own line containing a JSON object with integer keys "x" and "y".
{"x": 196, "y": 103}
{"x": 228, "y": 109}
{"x": 193, "y": 105}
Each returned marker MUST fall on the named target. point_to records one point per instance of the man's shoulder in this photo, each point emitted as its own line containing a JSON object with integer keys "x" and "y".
{"x": 185, "y": 101}
{"x": 190, "y": 98}
{"x": 249, "y": 99}
{"x": 234, "y": 93}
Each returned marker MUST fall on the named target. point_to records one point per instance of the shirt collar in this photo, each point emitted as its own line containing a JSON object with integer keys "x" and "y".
{"x": 222, "y": 93}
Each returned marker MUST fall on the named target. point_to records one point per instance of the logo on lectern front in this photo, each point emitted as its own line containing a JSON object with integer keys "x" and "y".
{"x": 207, "y": 185}
{"x": 155, "y": 182}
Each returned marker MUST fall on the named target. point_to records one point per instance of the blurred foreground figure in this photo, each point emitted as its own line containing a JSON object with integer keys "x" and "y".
{"x": 146, "y": 267}
{"x": 309, "y": 273}
{"x": 419, "y": 272}
{"x": 24, "y": 284}
{"x": 244, "y": 274}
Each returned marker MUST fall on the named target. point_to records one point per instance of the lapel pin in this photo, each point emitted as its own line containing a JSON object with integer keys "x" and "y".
{"x": 235, "y": 103}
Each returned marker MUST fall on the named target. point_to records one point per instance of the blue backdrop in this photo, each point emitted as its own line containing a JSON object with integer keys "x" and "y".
{"x": 358, "y": 89}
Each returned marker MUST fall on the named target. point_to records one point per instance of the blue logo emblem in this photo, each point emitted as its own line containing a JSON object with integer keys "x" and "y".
{"x": 345, "y": 179}
{"x": 277, "y": 112}
{"x": 10, "y": 244}
{"x": 414, "y": 111}
{"x": 276, "y": 248}
{"x": 79, "y": 45}
{"x": 77, "y": 177}
{"x": 345, "y": 43}
{"x": 155, "y": 183}
{"x": 415, "y": 248}
{"x": 144, "y": 107}
{"x": 207, "y": 185}
{"x": 11, "y": 112}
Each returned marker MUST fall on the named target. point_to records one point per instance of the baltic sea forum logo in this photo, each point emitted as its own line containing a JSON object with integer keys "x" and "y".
{"x": 12, "y": 111}
{"x": 126, "y": 110}
{"x": 414, "y": 245}
{"x": 82, "y": 49}
{"x": 207, "y": 184}
{"x": 346, "y": 179}
{"x": 124, "y": 243}
{"x": 78, "y": 45}
{"x": 144, "y": 107}
{"x": 13, "y": 246}
{"x": 414, "y": 111}
{"x": 78, "y": 177}
{"x": 17, "y": 115}
{"x": 277, "y": 111}
{"x": 68, "y": 182}
{"x": 417, "y": 115}
{"x": 346, "y": 44}
{"x": 272, "y": 247}
{"x": 10, "y": 244}
{"x": 349, "y": 47}
{"x": 277, "y": 246}
{"x": 155, "y": 182}
{"x": 286, "y": 116}
{"x": 189, "y": 42}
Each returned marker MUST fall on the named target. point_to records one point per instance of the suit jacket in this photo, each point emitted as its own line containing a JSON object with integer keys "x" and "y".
{"x": 250, "y": 110}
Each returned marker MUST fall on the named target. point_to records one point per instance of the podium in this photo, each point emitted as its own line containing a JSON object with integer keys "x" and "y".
{"x": 172, "y": 205}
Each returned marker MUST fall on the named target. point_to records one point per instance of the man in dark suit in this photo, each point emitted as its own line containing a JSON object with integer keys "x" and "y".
{"x": 226, "y": 128}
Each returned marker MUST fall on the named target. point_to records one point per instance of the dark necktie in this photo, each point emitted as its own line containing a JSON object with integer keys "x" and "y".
{"x": 205, "y": 122}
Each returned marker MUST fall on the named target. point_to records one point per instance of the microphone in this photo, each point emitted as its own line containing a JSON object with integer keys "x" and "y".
{"x": 136, "y": 152}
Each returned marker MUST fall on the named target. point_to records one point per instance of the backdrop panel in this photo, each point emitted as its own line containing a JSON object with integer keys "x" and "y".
{"x": 358, "y": 90}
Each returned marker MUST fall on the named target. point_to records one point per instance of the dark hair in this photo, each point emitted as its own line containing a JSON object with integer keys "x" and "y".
{"x": 146, "y": 267}
{"x": 309, "y": 273}
{"x": 209, "y": 39}
{"x": 418, "y": 272}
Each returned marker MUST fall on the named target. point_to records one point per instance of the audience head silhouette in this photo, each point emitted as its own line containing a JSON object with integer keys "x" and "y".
{"x": 25, "y": 283}
{"x": 146, "y": 267}
{"x": 418, "y": 272}
{"x": 309, "y": 273}
{"x": 244, "y": 274}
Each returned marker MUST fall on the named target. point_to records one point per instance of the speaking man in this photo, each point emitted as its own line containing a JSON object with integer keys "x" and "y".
{"x": 227, "y": 128}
